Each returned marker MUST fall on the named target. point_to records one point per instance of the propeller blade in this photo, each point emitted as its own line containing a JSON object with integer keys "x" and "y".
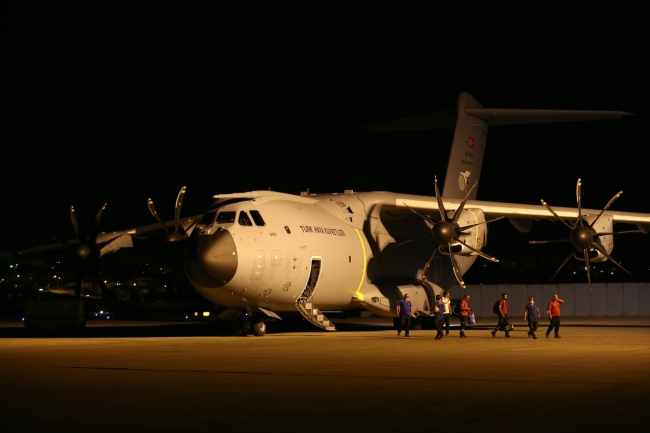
{"x": 179, "y": 203}
{"x": 98, "y": 219}
{"x": 480, "y": 253}
{"x": 556, "y": 215}
{"x": 563, "y": 263}
{"x": 428, "y": 265}
{"x": 454, "y": 265}
{"x": 152, "y": 209}
{"x": 603, "y": 252}
{"x": 77, "y": 287}
{"x": 588, "y": 266}
{"x": 462, "y": 205}
{"x": 579, "y": 200}
{"x": 478, "y": 224}
{"x": 618, "y": 233}
{"x": 412, "y": 240}
{"x": 75, "y": 223}
{"x": 424, "y": 217}
{"x": 606, "y": 207}
{"x": 546, "y": 242}
{"x": 62, "y": 242}
{"x": 441, "y": 207}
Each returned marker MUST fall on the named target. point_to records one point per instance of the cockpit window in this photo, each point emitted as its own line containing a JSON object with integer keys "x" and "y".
{"x": 244, "y": 220}
{"x": 257, "y": 218}
{"x": 226, "y": 217}
{"x": 207, "y": 218}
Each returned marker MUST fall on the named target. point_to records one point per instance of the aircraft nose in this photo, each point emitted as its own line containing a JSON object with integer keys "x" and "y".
{"x": 211, "y": 260}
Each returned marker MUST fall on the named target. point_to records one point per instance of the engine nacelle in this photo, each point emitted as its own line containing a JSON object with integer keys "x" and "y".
{"x": 476, "y": 236}
{"x": 605, "y": 224}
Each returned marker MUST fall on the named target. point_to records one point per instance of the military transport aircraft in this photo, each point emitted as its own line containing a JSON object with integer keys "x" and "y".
{"x": 262, "y": 253}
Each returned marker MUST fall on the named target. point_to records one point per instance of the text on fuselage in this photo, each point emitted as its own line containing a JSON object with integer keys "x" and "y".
{"x": 325, "y": 231}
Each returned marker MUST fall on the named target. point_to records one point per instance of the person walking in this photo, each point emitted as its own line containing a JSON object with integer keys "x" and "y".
{"x": 404, "y": 314}
{"x": 446, "y": 300}
{"x": 438, "y": 318}
{"x": 531, "y": 314}
{"x": 502, "y": 310}
{"x": 554, "y": 315}
{"x": 464, "y": 314}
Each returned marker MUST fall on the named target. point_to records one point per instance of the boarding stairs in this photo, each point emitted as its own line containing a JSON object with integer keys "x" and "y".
{"x": 313, "y": 314}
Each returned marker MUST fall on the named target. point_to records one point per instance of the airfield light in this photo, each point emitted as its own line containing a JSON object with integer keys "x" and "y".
{"x": 40, "y": 290}
{"x": 196, "y": 313}
{"x": 186, "y": 317}
{"x": 206, "y": 314}
{"x": 87, "y": 296}
{"x": 23, "y": 319}
{"x": 108, "y": 317}
{"x": 101, "y": 312}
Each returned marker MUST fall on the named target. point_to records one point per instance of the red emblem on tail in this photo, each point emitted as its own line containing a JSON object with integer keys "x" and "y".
{"x": 470, "y": 141}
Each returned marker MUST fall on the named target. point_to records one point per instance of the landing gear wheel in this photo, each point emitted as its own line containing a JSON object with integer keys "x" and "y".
{"x": 259, "y": 328}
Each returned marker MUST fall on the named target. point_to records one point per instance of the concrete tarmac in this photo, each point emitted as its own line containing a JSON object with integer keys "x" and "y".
{"x": 595, "y": 378}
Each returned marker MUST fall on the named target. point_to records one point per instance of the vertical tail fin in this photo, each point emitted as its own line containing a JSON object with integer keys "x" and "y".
{"x": 467, "y": 149}
{"x": 468, "y": 146}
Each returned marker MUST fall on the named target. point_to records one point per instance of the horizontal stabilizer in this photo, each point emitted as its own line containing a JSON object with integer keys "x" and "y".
{"x": 437, "y": 120}
{"x": 514, "y": 116}
{"x": 493, "y": 117}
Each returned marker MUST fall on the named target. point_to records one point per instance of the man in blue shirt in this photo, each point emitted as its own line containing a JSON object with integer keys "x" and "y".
{"x": 531, "y": 313}
{"x": 439, "y": 317}
{"x": 404, "y": 314}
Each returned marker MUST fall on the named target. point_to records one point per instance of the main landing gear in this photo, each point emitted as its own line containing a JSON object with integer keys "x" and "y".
{"x": 249, "y": 322}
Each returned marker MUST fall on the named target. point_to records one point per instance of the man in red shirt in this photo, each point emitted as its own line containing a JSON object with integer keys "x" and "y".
{"x": 503, "y": 316}
{"x": 554, "y": 315}
{"x": 464, "y": 314}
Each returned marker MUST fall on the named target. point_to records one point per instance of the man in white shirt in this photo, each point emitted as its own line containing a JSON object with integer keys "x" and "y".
{"x": 446, "y": 300}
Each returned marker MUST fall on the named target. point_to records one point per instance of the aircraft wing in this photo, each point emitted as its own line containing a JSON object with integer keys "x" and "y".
{"x": 515, "y": 211}
{"x": 117, "y": 239}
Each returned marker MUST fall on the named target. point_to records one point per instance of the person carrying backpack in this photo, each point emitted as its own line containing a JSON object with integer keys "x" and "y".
{"x": 501, "y": 309}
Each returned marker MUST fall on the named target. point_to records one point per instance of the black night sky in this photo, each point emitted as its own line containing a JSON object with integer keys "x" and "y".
{"x": 119, "y": 103}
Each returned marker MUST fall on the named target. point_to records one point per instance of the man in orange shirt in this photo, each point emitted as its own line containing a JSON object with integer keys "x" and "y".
{"x": 464, "y": 314}
{"x": 503, "y": 324}
{"x": 554, "y": 315}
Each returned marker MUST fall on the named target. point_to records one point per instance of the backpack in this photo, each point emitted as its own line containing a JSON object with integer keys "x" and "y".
{"x": 495, "y": 309}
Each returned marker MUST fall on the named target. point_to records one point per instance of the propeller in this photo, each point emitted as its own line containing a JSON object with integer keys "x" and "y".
{"x": 446, "y": 232}
{"x": 178, "y": 233}
{"x": 86, "y": 251}
{"x": 583, "y": 236}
